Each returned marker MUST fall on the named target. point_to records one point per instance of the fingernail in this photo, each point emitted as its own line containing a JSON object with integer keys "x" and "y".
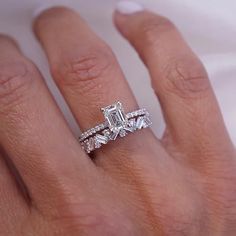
{"x": 127, "y": 7}
{"x": 43, "y": 7}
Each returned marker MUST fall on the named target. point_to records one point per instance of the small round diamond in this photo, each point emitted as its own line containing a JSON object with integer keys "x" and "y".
{"x": 106, "y": 132}
{"x": 90, "y": 144}
{"x": 123, "y": 133}
{"x": 97, "y": 144}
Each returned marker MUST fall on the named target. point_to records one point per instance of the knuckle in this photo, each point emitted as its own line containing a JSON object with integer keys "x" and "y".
{"x": 89, "y": 215}
{"x": 186, "y": 78}
{"x": 76, "y": 217}
{"x": 15, "y": 79}
{"x": 85, "y": 72}
{"x": 152, "y": 28}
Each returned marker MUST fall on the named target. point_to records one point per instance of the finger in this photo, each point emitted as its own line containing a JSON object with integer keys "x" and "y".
{"x": 180, "y": 81}
{"x": 83, "y": 66}
{"x": 32, "y": 130}
{"x": 85, "y": 69}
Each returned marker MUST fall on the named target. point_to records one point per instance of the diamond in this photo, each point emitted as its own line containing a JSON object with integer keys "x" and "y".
{"x": 140, "y": 122}
{"x": 85, "y": 146}
{"x": 97, "y": 144}
{"x": 101, "y": 139}
{"x": 147, "y": 122}
{"x": 106, "y": 132}
{"x": 114, "y": 135}
{"x": 115, "y": 116}
{"x": 129, "y": 115}
{"x": 132, "y": 123}
{"x": 93, "y": 130}
{"x": 90, "y": 144}
{"x": 131, "y": 127}
{"x": 122, "y": 133}
{"x": 82, "y": 145}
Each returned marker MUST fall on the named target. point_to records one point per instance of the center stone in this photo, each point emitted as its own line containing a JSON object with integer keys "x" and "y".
{"x": 115, "y": 116}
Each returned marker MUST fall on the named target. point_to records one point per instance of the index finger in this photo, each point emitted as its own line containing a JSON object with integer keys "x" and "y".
{"x": 193, "y": 117}
{"x": 32, "y": 130}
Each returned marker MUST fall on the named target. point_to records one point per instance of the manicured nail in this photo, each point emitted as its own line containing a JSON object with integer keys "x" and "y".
{"x": 43, "y": 7}
{"x": 127, "y": 7}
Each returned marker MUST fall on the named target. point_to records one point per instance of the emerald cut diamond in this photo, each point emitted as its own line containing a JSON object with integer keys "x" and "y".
{"x": 115, "y": 116}
{"x": 116, "y": 124}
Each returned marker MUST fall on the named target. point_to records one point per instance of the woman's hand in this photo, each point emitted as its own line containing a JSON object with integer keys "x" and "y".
{"x": 183, "y": 184}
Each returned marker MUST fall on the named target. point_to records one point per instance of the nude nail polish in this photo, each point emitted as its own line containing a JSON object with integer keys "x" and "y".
{"x": 127, "y": 7}
{"x": 43, "y": 7}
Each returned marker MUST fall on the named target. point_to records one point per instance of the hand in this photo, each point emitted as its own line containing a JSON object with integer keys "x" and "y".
{"x": 183, "y": 184}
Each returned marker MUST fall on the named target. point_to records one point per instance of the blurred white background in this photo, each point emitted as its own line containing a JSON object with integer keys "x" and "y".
{"x": 208, "y": 26}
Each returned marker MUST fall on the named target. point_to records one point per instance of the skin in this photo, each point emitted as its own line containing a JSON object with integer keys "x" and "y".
{"x": 182, "y": 184}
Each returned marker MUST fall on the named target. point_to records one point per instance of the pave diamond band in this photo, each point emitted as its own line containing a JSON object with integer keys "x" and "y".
{"x": 104, "y": 125}
{"x": 117, "y": 124}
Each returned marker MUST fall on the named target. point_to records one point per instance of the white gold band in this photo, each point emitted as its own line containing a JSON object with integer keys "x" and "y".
{"x": 116, "y": 124}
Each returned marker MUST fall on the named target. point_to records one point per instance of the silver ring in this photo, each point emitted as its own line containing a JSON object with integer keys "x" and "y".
{"x": 117, "y": 124}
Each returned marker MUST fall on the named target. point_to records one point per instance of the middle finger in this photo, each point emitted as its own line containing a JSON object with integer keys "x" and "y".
{"x": 85, "y": 70}
{"x": 31, "y": 128}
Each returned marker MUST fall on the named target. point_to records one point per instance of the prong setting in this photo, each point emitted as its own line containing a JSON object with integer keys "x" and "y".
{"x": 117, "y": 124}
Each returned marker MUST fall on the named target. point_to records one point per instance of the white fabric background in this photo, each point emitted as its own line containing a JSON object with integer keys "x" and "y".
{"x": 208, "y": 26}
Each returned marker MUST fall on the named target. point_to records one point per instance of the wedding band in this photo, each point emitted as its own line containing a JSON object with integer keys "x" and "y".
{"x": 116, "y": 124}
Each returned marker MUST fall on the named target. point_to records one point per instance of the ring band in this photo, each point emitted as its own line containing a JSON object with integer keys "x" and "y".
{"x": 117, "y": 123}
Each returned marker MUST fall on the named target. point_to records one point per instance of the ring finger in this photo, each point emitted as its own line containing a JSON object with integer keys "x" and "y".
{"x": 85, "y": 70}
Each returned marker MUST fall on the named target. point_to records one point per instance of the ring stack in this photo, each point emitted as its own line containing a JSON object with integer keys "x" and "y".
{"x": 117, "y": 124}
